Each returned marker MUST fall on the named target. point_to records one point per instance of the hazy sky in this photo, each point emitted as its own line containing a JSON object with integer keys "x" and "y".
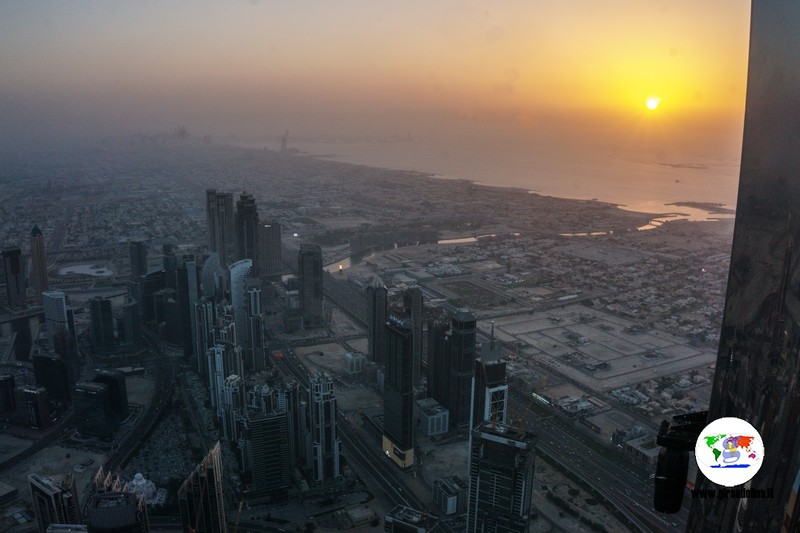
{"x": 575, "y": 69}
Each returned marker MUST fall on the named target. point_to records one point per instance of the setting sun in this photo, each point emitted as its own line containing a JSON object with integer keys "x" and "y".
{"x": 652, "y": 103}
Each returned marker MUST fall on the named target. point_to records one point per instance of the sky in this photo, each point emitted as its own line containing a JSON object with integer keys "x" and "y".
{"x": 577, "y": 71}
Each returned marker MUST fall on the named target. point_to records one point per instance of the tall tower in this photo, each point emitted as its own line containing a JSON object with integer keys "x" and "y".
{"x": 377, "y": 299}
{"x": 200, "y": 497}
{"x": 55, "y": 312}
{"x": 462, "y": 363}
{"x": 325, "y": 442}
{"x": 239, "y": 273}
{"x": 102, "y": 324}
{"x": 138, "y": 253}
{"x": 220, "y": 220}
{"x": 412, "y": 303}
{"x": 270, "y": 250}
{"x": 266, "y": 438}
{"x": 309, "y": 264}
{"x": 256, "y": 326}
{"x": 500, "y": 479}
{"x": 15, "y": 276}
{"x": 758, "y": 365}
{"x": 247, "y": 230}
{"x": 38, "y": 263}
{"x": 55, "y": 500}
{"x": 398, "y": 393}
{"x": 490, "y": 396}
{"x": 439, "y": 361}
{"x": 116, "y": 512}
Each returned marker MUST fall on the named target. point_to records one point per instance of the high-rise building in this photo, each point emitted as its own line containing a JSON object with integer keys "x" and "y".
{"x": 412, "y": 304}
{"x": 204, "y": 336}
{"x": 439, "y": 361}
{"x": 220, "y": 219}
{"x": 200, "y": 498}
{"x": 13, "y": 265}
{"x": 248, "y": 230}
{"x": 55, "y": 500}
{"x": 117, "y": 512}
{"x": 309, "y": 265}
{"x": 51, "y": 372}
{"x": 138, "y": 253}
{"x": 490, "y": 396}
{"x": 266, "y": 451}
{"x": 461, "y": 366}
{"x": 65, "y": 345}
{"x": 102, "y": 325}
{"x": 231, "y": 410}
{"x": 758, "y": 363}
{"x": 500, "y": 479}
{"x": 117, "y": 390}
{"x": 38, "y": 263}
{"x": 32, "y": 410}
{"x": 255, "y": 358}
{"x": 131, "y": 334}
{"x": 239, "y": 273}
{"x": 377, "y": 299}
{"x": 270, "y": 249}
{"x": 93, "y": 413}
{"x": 325, "y": 442}
{"x": 398, "y": 393}
{"x": 55, "y": 312}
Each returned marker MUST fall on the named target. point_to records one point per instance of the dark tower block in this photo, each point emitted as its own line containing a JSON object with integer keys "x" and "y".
{"x": 38, "y": 263}
{"x": 462, "y": 362}
{"x": 377, "y": 301}
{"x": 247, "y": 230}
{"x": 398, "y": 393}
{"x": 412, "y": 304}
{"x": 758, "y": 364}
{"x": 309, "y": 265}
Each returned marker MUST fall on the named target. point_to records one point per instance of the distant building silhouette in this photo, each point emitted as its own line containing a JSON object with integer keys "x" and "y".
{"x": 239, "y": 274}
{"x": 377, "y": 300}
{"x": 398, "y": 393}
{"x": 7, "y": 401}
{"x": 248, "y": 230}
{"x": 38, "y": 263}
{"x": 500, "y": 479}
{"x": 55, "y": 500}
{"x": 220, "y": 222}
{"x": 309, "y": 265}
{"x": 102, "y": 324}
{"x": 200, "y": 500}
{"x": 31, "y": 407}
{"x": 14, "y": 267}
{"x": 413, "y": 306}
{"x": 439, "y": 361}
{"x": 117, "y": 390}
{"x": 94, "y": 415}
{"x": 138, "y": 253}
{"x": 55, "y": 312}
{"x": 270, "y": 250}
{"x": 51, "y": 372}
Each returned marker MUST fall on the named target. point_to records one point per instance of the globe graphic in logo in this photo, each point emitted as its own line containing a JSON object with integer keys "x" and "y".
{"x": 729, "y": 451}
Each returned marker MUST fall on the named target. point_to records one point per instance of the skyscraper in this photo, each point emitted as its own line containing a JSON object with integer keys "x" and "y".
{"x": 439, "y": 361}
{"x": 270, "y": 250}
{"x": 138, "y": 253}
{"x": 55, "y": 312}
{"x": 267, "y": 452}
{"x": 412, "y": 303}
{"x": 377, "y": 299}
{"x": 200, "y": 498}
{"x": 220, "y": 219}
{"x": 398, "y": 393}
{"x": 32, "y": 410}
{"x": 325, "y": 442}
{"x": 93, "y": 413}
{"x": 38, "y": 263}
{"x": 13, "y": 265}
{"x": 757, "y": 362}
{"x": 102, "y": 324}
{"x": 117, "y": 390}
{"x": 462, "y": 363}
{"x": 309, "y": 265}
{"x": 248, "y": 230}
{"x": 55, "y": 500}
{"x": 239, "y": 273}
{"x": 51, "y": 372}
{"x": 490, "y": 396}
{"x": 256, "y": 341}
{"x": 117, "y": 512}
{"x": 500, "y": 479}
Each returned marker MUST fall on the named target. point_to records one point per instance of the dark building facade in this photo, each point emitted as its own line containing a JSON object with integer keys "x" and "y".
{"x": 93, "y": 413}
{"x": 200, "y": 500}
{"x": 220, "y": 219}
{"x": 31, "y": 407}
{"x": 758, "y": 364}
{"x": 248, "y": 230}
{"x": 7, "y": 401}
{"x": 490, "y": 401}
{"x": 102, "y": 325}
{"x": 51, "y": 372}
{"x": 326, "y": 446}
{"x": 413, "y": 307}
{"x": 117, "y": 390}
{"x": 117, "y": 512}
{"x": 267, "y": 438}
{"x": 38, "y": 263}
{"x": 378, "y": 306}
{"x": 309, "y": 266}
{"x": 461, "y": 366}
{"x": 398, "y": 393}
{"x": 500, "y": 479}
{"x": 439, "y": 361}
{"x": 138, "y": 256}
{"x": 55, "y": 500}
{"x": 270, "y": 250}
{"x": 14, "y": 268}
